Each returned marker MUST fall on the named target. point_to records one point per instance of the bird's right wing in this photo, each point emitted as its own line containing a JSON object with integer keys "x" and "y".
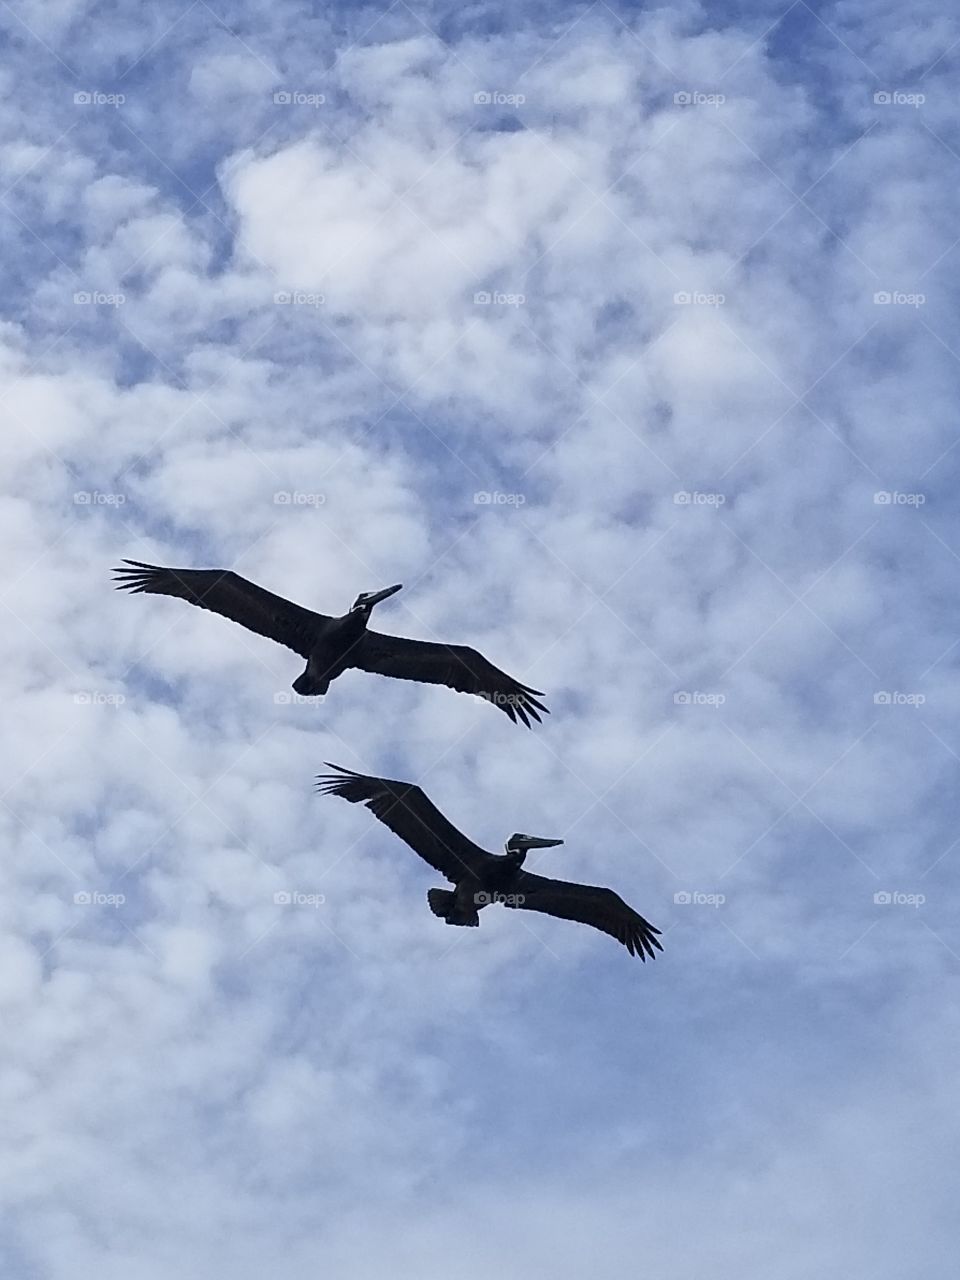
{"x": 455, "y": 665}
{"x": 601, "y": 908}
{"x": 226, "y": 593}
{"x": 405, "y": 809}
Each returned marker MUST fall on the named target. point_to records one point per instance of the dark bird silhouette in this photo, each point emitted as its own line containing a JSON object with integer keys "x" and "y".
{"x": 334, "y": 645}
{"x": 482, "y": 878}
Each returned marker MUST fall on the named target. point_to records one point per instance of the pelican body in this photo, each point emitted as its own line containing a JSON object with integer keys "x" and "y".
{"x": 334, "y": 645}
{"x": 337, "y": 643}
{"x": 482, "y": 879}
{"x": 493, "y": 879}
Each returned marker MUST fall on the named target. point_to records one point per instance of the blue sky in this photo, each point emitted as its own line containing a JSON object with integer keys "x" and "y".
{"x": 714, "y": 391}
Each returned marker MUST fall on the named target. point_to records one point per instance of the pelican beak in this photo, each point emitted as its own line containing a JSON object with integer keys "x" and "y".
{"x": 376, "y": 596}
{"x": 539, "y": 842}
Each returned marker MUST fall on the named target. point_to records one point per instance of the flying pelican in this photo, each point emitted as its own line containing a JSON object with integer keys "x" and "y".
{"x": 482, "y": 878}
{"x": 333, "y": 645}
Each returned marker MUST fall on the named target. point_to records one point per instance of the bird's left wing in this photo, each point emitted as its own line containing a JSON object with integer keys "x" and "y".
{"x": 455, "y": 665}
{"x": 601, "y": 908}
{"x": 406, "y": 810}
{"x": 225, "y": 592}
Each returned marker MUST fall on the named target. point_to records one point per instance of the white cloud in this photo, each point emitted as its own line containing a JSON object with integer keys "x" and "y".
{"x": 203, "y": 1078}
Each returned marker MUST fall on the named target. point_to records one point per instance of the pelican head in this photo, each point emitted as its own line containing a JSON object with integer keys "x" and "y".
{"x": 367, "y": 599}
{"x": 518, "y": 845}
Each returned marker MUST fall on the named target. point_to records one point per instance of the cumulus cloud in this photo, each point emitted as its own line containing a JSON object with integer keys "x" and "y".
{"x": 627, "y": 343}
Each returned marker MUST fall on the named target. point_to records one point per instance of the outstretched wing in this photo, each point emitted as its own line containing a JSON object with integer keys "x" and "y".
{"x": 454, "y": 665}
{"x": 405, "y": 809}
{"x": 601, "y": 908}
{"x": 226, "y": 593}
